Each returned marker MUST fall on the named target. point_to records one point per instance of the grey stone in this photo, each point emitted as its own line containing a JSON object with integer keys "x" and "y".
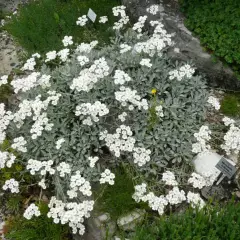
{"x": 217, "y": 74}
{"x": 128, "y": 222}
{"x": 214, "y": 192}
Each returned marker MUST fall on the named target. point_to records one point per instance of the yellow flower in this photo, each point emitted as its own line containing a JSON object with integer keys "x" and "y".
{"x": 154, "y": 90}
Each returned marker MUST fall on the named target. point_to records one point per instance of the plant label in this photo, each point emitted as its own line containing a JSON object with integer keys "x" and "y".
{"x": 92, "y": 15}
{"x": 226, "y": 167}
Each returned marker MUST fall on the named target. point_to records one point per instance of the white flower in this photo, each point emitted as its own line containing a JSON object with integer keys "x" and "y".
{"x": 4, "y": 80}
{"x": 124, "y": 48}
{"x": 43, "y": 167}
{"x": 63, "y": 168}
{"x": 141, "y": 156}
{"x": 93, "y": 161}
{"x": 92, "y": 111}
{"x": 59, "y": 143}
{"x": 122, "y": 116}
{"x": 51, "y": 56}
{"x": 140, "y": 191}
{"x": 198, "y": 181}
{"x": 176, "y": 196}
{"x": 36, "y": 55}
{"x": 183, "y": 72}
{"x": 169, "y": 178}
{"x": 42, "y": 184}
{"x": 228, "y": 121}
{"x": 82, "y": 20}
{"x": 6, "y": 159}
{"x": 124, "y": 19}
{"x": 159, "y": 111}
{"x": 146, "y": 62}
{"x": 44, "y": 81}
{"x": 19, "y": 144}
{"x": 63, "y": 54}
{"x": 107, "y": 177}
{"x": 214, "y": 102}
{"x": 195, "y": 200}
{"x": 153, "y": 9}
{"x": 5, "y": 118}
{"x": 31, "y": 211}
{"x": 67, "y": 41}
{"x": 103, "y": 19}
{"x": 120, "y": 77}
{"x": 86, "y": 47}
{"x": 82, "y": 60}
{"x": 138, "y": 26}
{"x": 12, "y": 185}
{"x": 30, "y": 64}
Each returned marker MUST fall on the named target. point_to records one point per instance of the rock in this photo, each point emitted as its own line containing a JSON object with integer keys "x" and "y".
{"x": 128, "y": 222}
{"x": 190, "y": 49}
{"x": 237, "y": 194}
{"x": 214, "y": 192}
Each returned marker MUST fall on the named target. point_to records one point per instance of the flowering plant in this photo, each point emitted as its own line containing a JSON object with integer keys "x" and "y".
{"x": 77, "y": 122}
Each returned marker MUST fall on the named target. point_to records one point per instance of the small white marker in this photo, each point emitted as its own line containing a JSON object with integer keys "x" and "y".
{"x": 92, "y": 15}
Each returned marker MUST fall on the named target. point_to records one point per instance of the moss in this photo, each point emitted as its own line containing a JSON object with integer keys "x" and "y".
{"x": 117, "y": 199}
{"x": 230, "y": 105}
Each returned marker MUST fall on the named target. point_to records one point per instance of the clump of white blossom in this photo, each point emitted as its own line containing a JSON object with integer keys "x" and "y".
{"x": 122, "y": 116}
{"x": 159, "y": 111}
{"x": 43, "y": 167}
{"x": 183, "y": 72}
{"x": 195, "y": 200}
{"x": 138, "y": 26}
{"x": 63, "y": 54}
{"x": 124, "y": 19}
{"x": 228, "y": 121}
{"x": 103, "y": 19}
{"x": 153, "y": 9}
{"x": 107, "y": 177}
{"x": 59, "y": 143}
{"x": 82, "y": 60}
{"x": 124, "y": 48}
{"x": 3, "y": 80}
{"x": 51, "y": 56}
{"x": 63, "y": 169}
{"x": 203, "y": 136}
{"x": 82, "y": 20}
{"x": 169, "y": 178}
{"x": 31, "y": 211}
{"x": 67, "y": 41}
{"x": 120, "y": 77}
{"x": 93, "y": 161}
{"x": 6, "y": 159}
{"x": 146, "y": 62}
{"x": 19, "y": 144}
{"x": 214, "y": 102}
{"x": 141, "y": 156}
{"x": 12, "y": 185}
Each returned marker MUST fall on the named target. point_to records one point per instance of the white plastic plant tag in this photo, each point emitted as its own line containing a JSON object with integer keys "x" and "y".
{"x": 92, "y": 15}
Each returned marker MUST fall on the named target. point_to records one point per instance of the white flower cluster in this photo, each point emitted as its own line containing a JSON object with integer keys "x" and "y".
{"x": 153, "y": 9}
{"x": 156, "y": 43}
{"x": 93, "y": 161}
{"x": 31, "y": 211}
{"x": 159, "y": 111}
{"x": 63, "y": 54}
{"x": 126, "y": 95}
{"x": 72, "y": 213}
{"x": 107, "y": 177}
{"x": 5, "y": 118}
{"x": 82, "y": 21}
{"x": 79, "y": 183}
{"x": 184, "y": 71}
{"x": 19, "y": 144}
{"x": 214, "y": 102}
{"x": 138, "y": 26}
{"x": 3, "y": 80}
{"x": 59, "y": 143}
{"x": 44, "y": 81}
{"x": 198, "y": 181}
{"x": 122, "y": 116}
{"x": 120, "y": 10}
{"x": 34, "y": 108}
{"x": 232, "y": 140}
{"x": 89, "y": 76}
{"x": 120, "y": 141}
{"x": 124, "y": 48}
{"x": 156, "y": 203}
{"x": 42, "y": 184}
{"x": 169, "y": 178}
{"x": 146, "y": 62}
{"x": 195, "y": 200}
{"x": 50, "y": 56}
{"x": 29, "y": 65}
{"x": 93, "y": 111}
{"x": 228, "y": 121}
{"x": 6, "y": 159}
{"x": 202, "y": 137}
{"x": 103, "y": 19}
{"x": 43, "y": 166}
{"x": 86, "y": 47}
{"x": 120, "y": 77}
{"x": 12, "y": 185}
{"x": 175, "y": 196}
{"x": 27, "y": 83}
{"x": 141, "y": 156}
{"x": 82, "y": 60}
{"x": 140, "y": 192}
{"x": 67, "y": 41}
{"x": 63, "y": 169}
